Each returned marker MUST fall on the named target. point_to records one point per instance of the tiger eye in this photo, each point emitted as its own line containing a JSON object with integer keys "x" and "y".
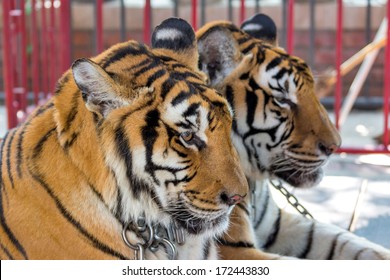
{"x": 187, "y": 136}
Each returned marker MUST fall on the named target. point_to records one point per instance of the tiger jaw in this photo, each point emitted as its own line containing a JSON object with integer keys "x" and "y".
{"x": 299, "y": 179}
{"x": 300, "y": 173}
{"x": 195, "y": 220}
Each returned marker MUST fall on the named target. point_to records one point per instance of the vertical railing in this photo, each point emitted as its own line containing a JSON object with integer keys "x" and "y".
{"x": 8, "y": 65}
{"x": 194, "y": 14}
{"x": 339, "y": 42}
{"x": 147, "y": 21}
{"x": 386, "y": 87}
{"x": 14, "y": 60}
{"x": 99, "y": 26}
{"x": 35, "y": 52}
{"x": 290, "y": 27}
{"x": 65, "y": 33}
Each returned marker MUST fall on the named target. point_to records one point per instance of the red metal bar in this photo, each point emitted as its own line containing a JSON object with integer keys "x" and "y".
{"x": 290, "y": 26}
{"x": 65, "y": 35}
{"x": 339, "y": 38}
{"x": 194, "y": 14}
{"x": 147, "y": 17}
{"x": 99, "y": 26}
{"x": 8, "y": 65}
{"x": 386, "y": 81}
{"x": 52, "y": 48}
{"x": 44, "y": 51}
{"x": 20, "y": 91}
{"x": 242, "y": 11}
{"x": 34, "y": 52}
{"x": 380, "y": 150}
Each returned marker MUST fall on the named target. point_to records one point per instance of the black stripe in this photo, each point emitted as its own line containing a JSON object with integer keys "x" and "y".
{"x": 183, "y": 95}
{"x": 230, "y": 99}
{"x": 273, "y": 63}
{"x": 150, "y": 66}
{"x": 69, "y": 142}
{"x": 13, "y": 132}
{"x": 206, "y": 249}
{"x": 118, "y": 54}
{"x": 166, "y": 87}
{"x": 1, "y": 158}
{"x": 39, "y": 146}
{"x": 123, "y": 150}
{"x": 251, "y": 100}
{"x": 61, "y": 83}
{"x": 72, "y": 220}
{"x": 191, "y": 110}
{"x": 248, "y": 48}
{"x": 333, "y": 247}
{"x": 237, "y": 244}
{"x": 6, "y": 252}
{"x": 152, "y": 78}
{"x": 309, "y": 242}
{"x": 73, "y": 112}
{"x": 272, "y": 237}
{"x": 119, "y": 208}
{"x": 19, "y": 150}
{"x": 149, "y": 136}
{"x": 243, "y": 208}
{"x": 244, "y": 76}
{"x": 265, "y": 208}
{"x": 358, "y": 253}
{"x": 3, "y": 222}
{"x": 98, "y": 194}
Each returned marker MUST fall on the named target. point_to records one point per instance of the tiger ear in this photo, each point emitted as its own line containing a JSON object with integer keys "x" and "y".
{"x": 177, "y": 37}
{"x": 262, "y": 27}
{"x": 219, "y": 53}
{"x": 97, "y": 87}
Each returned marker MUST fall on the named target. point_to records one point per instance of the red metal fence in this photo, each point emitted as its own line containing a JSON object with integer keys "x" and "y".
{"x": 37, "y": 39}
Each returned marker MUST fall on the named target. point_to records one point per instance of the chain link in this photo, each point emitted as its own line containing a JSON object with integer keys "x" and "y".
{"x": 152, "y": 237}
{"x": 291, "y": 199}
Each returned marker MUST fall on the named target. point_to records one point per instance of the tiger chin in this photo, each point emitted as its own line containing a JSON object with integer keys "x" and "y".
{"x": 120, "y": 163}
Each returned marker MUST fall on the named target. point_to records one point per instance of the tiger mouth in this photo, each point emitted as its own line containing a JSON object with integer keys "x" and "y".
{"x": 192, "y": 223}
{"x": 300, "y": 179}
{"x": 197, "y": 226}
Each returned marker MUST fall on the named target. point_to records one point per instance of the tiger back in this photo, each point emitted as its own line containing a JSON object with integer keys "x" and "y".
{"x": 124, "y": 151}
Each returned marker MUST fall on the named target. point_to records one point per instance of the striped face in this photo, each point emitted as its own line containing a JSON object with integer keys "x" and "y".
{"x": 279, "y": 128}
{"x": 165, "y": 134}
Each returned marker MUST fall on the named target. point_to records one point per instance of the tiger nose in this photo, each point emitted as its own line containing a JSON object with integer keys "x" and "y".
{"x": 231, "y": 200}
{"x": 327, "y": 149}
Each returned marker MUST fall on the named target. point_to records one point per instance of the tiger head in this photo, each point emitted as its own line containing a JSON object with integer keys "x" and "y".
{"x": 165, "y": 135}
{"x": 279, "y": 128}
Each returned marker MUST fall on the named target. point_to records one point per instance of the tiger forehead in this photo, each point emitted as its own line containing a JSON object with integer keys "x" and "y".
{"x": 277, "y": 57}
{"x": 137, "y": 60}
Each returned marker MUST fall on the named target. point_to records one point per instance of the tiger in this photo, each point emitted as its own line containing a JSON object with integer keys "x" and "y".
{"x": 281, "y": 131}
{"x": 121, "y": 163}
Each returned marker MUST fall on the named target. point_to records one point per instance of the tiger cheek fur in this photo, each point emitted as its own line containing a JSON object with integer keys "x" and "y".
{"x": 128, "y": 135}
{"x": 280, "y": 128}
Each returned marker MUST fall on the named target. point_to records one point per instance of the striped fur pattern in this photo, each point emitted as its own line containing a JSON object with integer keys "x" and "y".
{"x": 284, "y": 233}
{"x": 280, "y": 130}
{"x": 131, "y": 133}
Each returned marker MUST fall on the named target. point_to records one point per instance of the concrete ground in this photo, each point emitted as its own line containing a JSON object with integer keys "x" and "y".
{"x": 334, "y": 200}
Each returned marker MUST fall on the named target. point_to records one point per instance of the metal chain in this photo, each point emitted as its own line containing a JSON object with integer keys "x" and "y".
{"x": 154, "y": 237}
{"x": 291, "y": 199}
